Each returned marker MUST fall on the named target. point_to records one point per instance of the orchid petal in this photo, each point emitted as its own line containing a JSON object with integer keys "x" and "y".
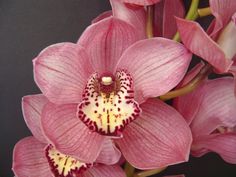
{"x": 109, "y": 154}
{"x": 141, "y": 2}
{"x": 198, "y": 42}
{"x": 29, "y": 159}
{"x": 32, "y": 106}
{"x": 222, "y": 10}
{"x": 102, "y": 16}
{"x": 68, "y": 134}
{"x": 223, "y": 144}
{"x": 157, "y": 65}
{"x": 165, "y": 11}
{"x": 61, "y": 71}
{"x": 211, "y": 105}
{"x": 105, "y": 171}
{"x": 105, "y": 41}
{"x": 133, "y": 16}
{"x": 158, "y": 138}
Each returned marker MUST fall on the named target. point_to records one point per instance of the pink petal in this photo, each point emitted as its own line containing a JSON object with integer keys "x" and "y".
{"x": 29, "y": 159}
{"x": 158, "y": 138}
{"x": 109, "y": 154}
{"x": 68, "y": 134}
{"x": 102, "y": 16}
{"x": 134, "y": 16}
{"x": 198, "y": 42}
{"x": 61, "y": 72}
{"x": 223, "y": 144}
{"x": 105, "y": 41}
{"x": 210, "y": 106}
{"x": 157, "y": 65}
{"x": 233, "y": 72}
{"x": 222, "y": 10}
{"x": 32, "y": 106}
{"x": 165, "y": 11}
{"x": 105, "y": 171}
{"x": 141, "y": 2}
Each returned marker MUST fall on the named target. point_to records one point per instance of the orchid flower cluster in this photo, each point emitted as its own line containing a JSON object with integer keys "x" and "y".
{"x": 103, "y": 98}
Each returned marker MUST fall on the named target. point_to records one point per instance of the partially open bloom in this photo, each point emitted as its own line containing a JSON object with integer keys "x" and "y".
{"x": 219, "y": 47}
{"x": 98, "y": 86}
{"x": 210, "y": 112}
{"x": 36, "y": 157}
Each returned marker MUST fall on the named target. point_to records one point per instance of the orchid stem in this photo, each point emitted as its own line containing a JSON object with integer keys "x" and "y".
{"x": 191, "y": 15}
{"x": 129, "y": 169}
{"x": 204, "y": 12}
{"x": 192, "y": 85}
{"x": 149, "y": 25}
{"x": 149, "y": 172}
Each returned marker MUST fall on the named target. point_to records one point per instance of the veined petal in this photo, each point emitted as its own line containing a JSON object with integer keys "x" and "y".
{"x": 222, "y": 10}
{"x": 222, "y": 144}
{"x": 102, "y": 16}
{"x": 105, "y": 41}
{"x": 210, "y": 106}
{"x": 158, "y": 138}
{"x": 164, "y": 22}
{"x": 134, "y": 16}
{"x": 141, "y": 2}
{"x": 198, "y": 42}
{"x": 29, "y": 159}
{"x": 68, "y": 134}
{"x": 32, "y": 106}
{"x": 157, "y": 65}
{"x": 61, "y": 71}
{"x": 109, "y": 154}
{"x": 105, "y": 171}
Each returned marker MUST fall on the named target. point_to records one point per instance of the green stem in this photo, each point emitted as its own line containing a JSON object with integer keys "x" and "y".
{"x": 149, "y": 172}
{"x": 129, "y": 169}
{"x": 149, "y": 25}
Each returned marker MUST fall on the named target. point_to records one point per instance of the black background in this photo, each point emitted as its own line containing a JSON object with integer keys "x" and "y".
{"x": 27, "y": 27}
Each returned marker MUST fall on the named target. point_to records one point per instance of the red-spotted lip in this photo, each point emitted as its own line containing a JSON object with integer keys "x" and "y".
{"x": 63, "y": 165}
{"x": 109, "y": 112}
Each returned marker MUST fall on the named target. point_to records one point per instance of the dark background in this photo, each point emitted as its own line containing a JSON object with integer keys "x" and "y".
{"x": 27, "y": 27}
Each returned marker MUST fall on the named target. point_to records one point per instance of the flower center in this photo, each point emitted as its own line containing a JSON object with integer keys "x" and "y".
{"x": 64, "y": 165}
{"x": 108, "y": 104}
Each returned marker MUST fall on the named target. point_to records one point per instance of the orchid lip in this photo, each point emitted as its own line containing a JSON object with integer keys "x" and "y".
{"x": 63, "y": 165}
{"x": 108, "y": 103}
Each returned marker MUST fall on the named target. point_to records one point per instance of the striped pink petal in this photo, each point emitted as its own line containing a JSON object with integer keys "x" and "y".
{"x": 158, "y": 138}
{"x": 102, "y": 16}
{"x": 105, "y": 41}
{"x": 68, "y": 134}
{"x": 141, "y": 2}
{"x": 32, "y": 106}
{"x": 29, "y": 159}
{"x": 105, "y": 171}
{"x": 157, "y": 65}
{"x": 61, "y": 72}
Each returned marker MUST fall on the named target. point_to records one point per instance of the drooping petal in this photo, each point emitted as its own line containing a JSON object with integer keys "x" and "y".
{"x": 102, "y": 16}
{"x": 61, "y": 71}
{"x": 141, "y": 2}
{"x": 68, "y": 134}
{"x": 198, "y": 42}
{"x": 105, "y": 41}
{"x": 164, "y": 22}
{"x": 133, "y": 16}
{"x": 29, "y": 159}
{"x": 158, "y": 138}
{"x": 32, "y": 106}
{"x": 109, "y": 154}
{"x": 157, "y": 65}
{"x": 210, "y": 106}
{"x": 222, "y": 144}
{"x": 105, "y": 171}
{"x": 222, "y": 10}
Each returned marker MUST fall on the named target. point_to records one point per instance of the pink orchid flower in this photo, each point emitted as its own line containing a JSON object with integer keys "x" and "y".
{"x": 141, "y": 2}
{"x": 210, "y": 112}
{"x": 219, "y": 47}
{"x": 100, "y": 85}
{"x": 164, "y": 21}
{"x": 35, "y": 156}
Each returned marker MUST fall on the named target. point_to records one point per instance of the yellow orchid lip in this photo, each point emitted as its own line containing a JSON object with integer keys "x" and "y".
{"x": 108, "y": 104}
